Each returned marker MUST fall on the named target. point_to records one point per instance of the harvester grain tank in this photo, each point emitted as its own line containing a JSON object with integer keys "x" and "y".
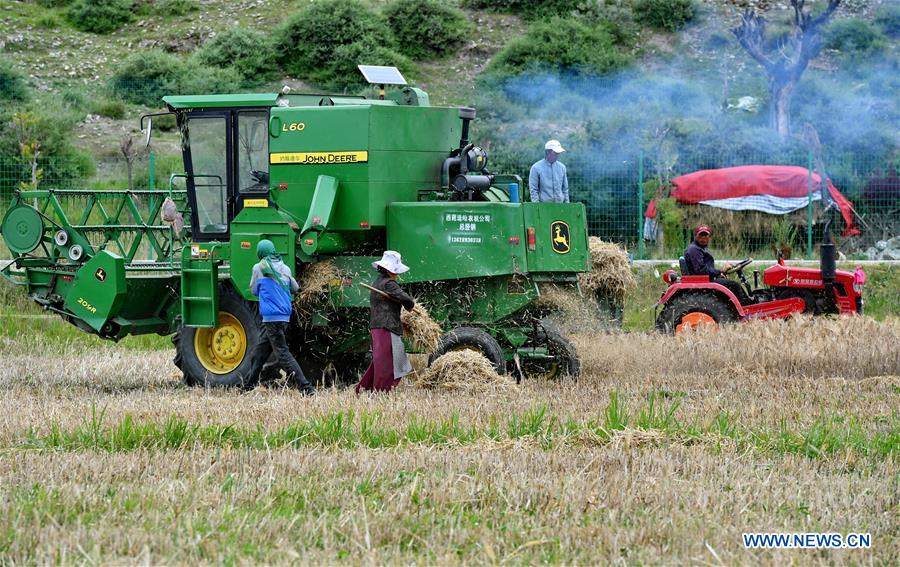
{"x": 327, "y": 178}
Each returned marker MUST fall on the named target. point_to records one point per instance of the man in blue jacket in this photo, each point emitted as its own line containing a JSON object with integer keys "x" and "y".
{"x": 274, "y": 284}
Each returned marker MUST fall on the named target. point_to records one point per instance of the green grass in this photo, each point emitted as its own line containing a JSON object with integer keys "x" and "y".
{"x": 349, "y": 430}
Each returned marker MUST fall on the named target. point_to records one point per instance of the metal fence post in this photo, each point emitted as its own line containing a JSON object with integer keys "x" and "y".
{"x": 640, "y": 200}
{"x": 809, "y": 215}
{"x": 151, "y": 167}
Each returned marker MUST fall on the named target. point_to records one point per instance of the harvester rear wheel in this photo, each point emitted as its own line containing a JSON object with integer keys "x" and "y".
{"x": 693, "y": 310}
{"x": 221, "y": 356}
{"x": 470, "y": 338}
{"x": 565, "y": 362}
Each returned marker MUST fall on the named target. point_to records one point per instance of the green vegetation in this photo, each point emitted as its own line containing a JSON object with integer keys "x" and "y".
{"x": 99, "y": 16}
{"x": 114, "y": 109}
{"x": 248, "y": 52}
{"x": 529, "y": 8}
{"x": 147, "y": 76}
{"x": 854, "y": 36}
{"x": 349, "y": 430}
{"x": 12, "y": 83}
{"x": 174, "y": 8}
{"x": 560, "y": 45}
{"x": 888, "y": 18}
{"x": 669, "y": 15}
{"x": 426, "y": 28}
{"x": 324, "y": 42}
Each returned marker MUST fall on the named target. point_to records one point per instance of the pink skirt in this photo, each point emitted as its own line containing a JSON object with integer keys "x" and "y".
{"x": 381, "y": 375}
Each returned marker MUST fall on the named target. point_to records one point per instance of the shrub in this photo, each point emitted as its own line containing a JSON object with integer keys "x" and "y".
{"x": 54, "y": 3}
{"x": 147, "y": 76}
{"x": 854, "y": 35}
{"x": 114, "y": 109}
{"x": 175, "y": 7}
{"x": 312, "y": 43}
{"x": 530, "y": 8}
{"x": 560, "y": 45}
{"x": 888, "y": 19}
{"x": 12, "y": 83}
{"x": 425, "y": 28}
{"x": 99, "y": 16}
{"x": 48, "y": 21}
{"x": 667, "y": 15}
{"x": 248, "y": 52}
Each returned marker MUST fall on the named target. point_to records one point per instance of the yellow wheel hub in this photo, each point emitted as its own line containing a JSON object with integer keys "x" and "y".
{"x": 222, "y": 348}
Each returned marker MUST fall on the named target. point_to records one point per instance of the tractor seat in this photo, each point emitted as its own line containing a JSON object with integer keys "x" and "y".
{"x": 682, "y": 264}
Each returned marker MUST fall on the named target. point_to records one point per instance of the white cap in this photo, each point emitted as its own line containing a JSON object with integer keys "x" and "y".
{"x": 555, "y": 146}
{"x": 390, "y": 261}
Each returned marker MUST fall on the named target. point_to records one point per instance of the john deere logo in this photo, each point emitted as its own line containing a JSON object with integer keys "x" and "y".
{"x": 559, "y": 236}
{"x": 100, "y": 274}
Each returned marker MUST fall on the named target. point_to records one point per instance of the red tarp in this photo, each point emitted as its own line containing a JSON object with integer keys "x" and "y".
{"x": 768, "y": 188}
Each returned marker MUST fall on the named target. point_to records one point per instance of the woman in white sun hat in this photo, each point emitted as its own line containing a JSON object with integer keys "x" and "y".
{"x": 389, "y": 360}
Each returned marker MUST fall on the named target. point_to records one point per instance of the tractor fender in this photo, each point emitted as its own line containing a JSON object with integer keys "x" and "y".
{"x": 705, "y": 287}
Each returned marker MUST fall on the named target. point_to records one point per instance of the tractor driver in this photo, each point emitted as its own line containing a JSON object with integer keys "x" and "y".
{"x": 701, "y": 263}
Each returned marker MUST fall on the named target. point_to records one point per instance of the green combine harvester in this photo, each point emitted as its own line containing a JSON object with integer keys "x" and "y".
{"x": 326, "y": 178}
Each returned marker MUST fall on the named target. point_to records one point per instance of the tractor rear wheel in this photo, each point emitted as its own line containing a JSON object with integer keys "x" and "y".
{"x": 470, "y": 338}
{"x": 220, "y": 356}
{"x": 692, "y": 310}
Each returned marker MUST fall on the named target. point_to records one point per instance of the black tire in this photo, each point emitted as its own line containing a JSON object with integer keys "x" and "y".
{"x": 178, "y": 360}
{"x": 680, "y": 305}
{"x": 195, "y": 373}
{"x": 566, "y": 361}
{"x": 462, "y": 338}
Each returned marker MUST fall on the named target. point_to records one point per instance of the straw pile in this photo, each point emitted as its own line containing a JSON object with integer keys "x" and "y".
{"x": 465, "y": 370}
{"x": 315, "y": 280}
{"x": 420, "y": 328}
{"x": 610, "y": 273}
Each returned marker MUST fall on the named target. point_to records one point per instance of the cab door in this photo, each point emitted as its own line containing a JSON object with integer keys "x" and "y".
{"x": 207, "y": 147}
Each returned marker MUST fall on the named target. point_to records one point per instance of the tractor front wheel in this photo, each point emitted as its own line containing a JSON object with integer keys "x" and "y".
{"x": 693, "y": 310}
{"x": 221, "y": 356}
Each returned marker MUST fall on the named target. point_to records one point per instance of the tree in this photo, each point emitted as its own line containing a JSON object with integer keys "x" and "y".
{"x": 785, "y": 62}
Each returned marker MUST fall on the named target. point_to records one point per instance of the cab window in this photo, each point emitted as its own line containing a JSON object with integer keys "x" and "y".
{"x": 253, "y": 151}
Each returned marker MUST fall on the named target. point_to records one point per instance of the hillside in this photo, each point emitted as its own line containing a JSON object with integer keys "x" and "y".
{"x": 613, "y": 78}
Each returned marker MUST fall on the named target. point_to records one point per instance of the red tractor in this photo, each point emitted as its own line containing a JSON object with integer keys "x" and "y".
{"x": 692, "y": 301}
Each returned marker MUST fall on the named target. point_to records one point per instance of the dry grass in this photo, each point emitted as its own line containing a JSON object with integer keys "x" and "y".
{"x": 420, "y": 328}
{"x": 782, "y": 426}
{"x": 463, "y": 370}
{"x": 610, "y": 271}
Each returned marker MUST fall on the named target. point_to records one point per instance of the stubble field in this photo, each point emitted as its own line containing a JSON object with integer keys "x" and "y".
{"x": 665, "y": 451}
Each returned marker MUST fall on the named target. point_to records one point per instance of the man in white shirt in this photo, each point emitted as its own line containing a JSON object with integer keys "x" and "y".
{"x": 547, "y": 181}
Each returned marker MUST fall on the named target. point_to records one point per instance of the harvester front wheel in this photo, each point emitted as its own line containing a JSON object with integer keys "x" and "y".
{"x": 693, "y": 310}
{"x": 220, "y": 356}
{"x": 470, "y": 338}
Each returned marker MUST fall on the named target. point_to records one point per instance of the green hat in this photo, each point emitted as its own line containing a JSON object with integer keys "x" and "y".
{"x": 265, "y": 249}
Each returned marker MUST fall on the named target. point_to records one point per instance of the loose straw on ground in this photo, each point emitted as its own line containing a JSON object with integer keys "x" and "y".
{"x": 463, "y": 370}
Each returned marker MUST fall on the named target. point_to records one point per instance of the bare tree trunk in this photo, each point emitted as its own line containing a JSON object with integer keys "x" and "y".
{"x": 781, "y": 94}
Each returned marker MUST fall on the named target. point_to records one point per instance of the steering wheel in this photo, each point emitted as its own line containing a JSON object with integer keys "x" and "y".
{"x": 739, "y": 267}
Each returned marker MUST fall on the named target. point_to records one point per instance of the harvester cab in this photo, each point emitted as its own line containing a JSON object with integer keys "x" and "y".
{"x": 332, "y": 181}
